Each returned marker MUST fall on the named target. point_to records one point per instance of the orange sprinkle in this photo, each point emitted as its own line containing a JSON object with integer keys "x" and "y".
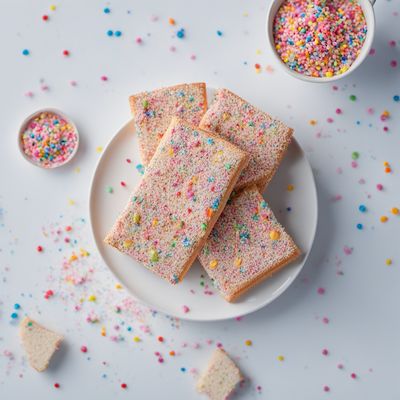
{"x": 171, "y": 353}
{"x": 384, "y": 218}
{"x": 395, "y": 210}
{"x": 388, "y": 170}
{"x": 171, "y": 21}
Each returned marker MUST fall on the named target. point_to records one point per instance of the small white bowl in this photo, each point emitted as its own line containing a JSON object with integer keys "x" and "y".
{"x": 368, "y": 10}
{"x": 25, "y": 124}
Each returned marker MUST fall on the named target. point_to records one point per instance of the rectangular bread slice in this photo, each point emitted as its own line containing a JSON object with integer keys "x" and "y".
{"x": 184, "y": 190}
{"x": 246, "y": 246}
{"x": 152, "y": 112}
{"x": 266, "y": 139}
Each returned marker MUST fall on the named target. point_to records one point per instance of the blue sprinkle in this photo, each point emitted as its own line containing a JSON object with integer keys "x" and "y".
{"x": 129, "y": 329}
{"x": 181, "y": 33}
{"x": 215, "y": 204}
{"x": 183, "y": 369}
{"x": 396, "y": 98}
{"x": 17, "y": 306}
{"x": 118, "y": 33}
{"x": 289, "y": 209}
{"x": 140, "y": 168}
{"x": 110, "y": 33}
{"x": 186, "y": 242}
{"x": 210, "y": 141}
{"x": 263, "y": 204}
{"x": 219, "y": 33}
{"x": 359, "y": 226}
{"x": 14, "y": 315}
{"x": 25, "y": 52}
{"x": 362, "y": 208}
{"x": 107, "y": 10}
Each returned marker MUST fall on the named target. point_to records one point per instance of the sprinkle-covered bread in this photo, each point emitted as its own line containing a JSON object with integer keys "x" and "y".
{"x": 152, "y": 112}
{"x": 263, "y": 137}
{"x": 220, "y": 378}
{"x": 178, "y": 201}
{"x": 246, "y": 245}
{"x": 39, "y": 343}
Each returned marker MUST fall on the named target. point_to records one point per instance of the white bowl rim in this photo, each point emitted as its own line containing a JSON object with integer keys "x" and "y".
{"x": 33, "y": 115}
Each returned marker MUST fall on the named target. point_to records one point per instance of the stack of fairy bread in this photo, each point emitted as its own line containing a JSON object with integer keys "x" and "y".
{"x": 200, "y": 195}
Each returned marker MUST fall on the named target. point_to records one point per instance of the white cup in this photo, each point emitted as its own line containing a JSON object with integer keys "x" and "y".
{"x": 368, "y": 10}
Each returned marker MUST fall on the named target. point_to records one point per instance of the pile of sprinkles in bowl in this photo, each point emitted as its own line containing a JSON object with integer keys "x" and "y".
{"x": 49, "y": 140}
{"x": 320, "y": 38}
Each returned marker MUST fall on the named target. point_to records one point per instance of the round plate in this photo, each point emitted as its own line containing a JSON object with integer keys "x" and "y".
{"x": 296, "y": 210}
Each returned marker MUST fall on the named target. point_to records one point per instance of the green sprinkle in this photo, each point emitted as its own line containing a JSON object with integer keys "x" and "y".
{"x": 203, "y": 226}
{"x": 355, "y": 155}
{"x": 109, "y": 189}
{"x": 228, "y": 166}
{"x": 30, "y": 324}
{"x": 353, "y": 97}
{"x": 145, "y": 103}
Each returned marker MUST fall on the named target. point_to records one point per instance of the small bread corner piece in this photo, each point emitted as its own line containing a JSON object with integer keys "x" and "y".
{"x": 220, "y": 378}
{"x": 179, "y": 199}
{"x": 246, "y": 246}
{"x": 265, "y": 138}
{"x": 39, "y": 343}
{"x": 152, "y": 112}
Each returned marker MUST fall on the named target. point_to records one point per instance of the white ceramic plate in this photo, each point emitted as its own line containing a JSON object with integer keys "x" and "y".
{"x": 195, "y": 290}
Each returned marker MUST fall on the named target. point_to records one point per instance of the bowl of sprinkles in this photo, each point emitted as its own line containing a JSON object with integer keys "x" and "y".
{"x": 48, "y": 139}
{"x": 320, "y": 40}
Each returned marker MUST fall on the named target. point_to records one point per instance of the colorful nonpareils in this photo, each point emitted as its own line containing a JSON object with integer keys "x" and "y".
{"x": 319, "y": 38}
{"x": 49, "y": 140}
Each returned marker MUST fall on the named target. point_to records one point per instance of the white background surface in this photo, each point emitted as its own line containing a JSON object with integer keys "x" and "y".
{"x": 361, "y": 304}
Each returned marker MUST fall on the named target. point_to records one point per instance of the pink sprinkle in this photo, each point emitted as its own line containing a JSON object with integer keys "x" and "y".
{"x": 219, "y": 345}
{"x": 325, "y": 352}
{"x": 392, "y": 43}
{"x": 239, "y": 318}
{"x": 370, "y": 110}
{"x": 172, "y": 48}
{"x": 379, "y": 186}
{"x": 326, "y": 389}
{"x": 259, "y": 388}
{"x": 160, "y": 360}
{"x": 123, "y": 184}
{"x": 321, "y": 290}
{"x": 340, "y": 366}
{"x": 386, "y": 129}
{"x": 325, "y": 320}
{"x": 154, "y": 18}
{"x": 372, "y": 52}
{"x": 329, "y": 120}
{"x": 29, "y": 94}
{"x": 128, "y": 160}
{"x": 347, "y": 250}
{"x": 337, "y": 197}
{"x": 48, "y": 294}
{"x": 185, "y": 309}
{"x": 84, "y": 349}
{"x": 73, "y": 83}
{"x": 44, "y": 88}
{"x": 139, "y": 40}
{"x": 339, "y": 111}
{"x": 104, "y": 78}
{"x": 393, "y": 63}
{"x": 353, "y": 375}
{"x": 361, "y": 181}
{"x": 193, "y": 57}
{"x": 354, "y": 164}
{"x": 339, "y": 170}
{"x": 334, "y": 87}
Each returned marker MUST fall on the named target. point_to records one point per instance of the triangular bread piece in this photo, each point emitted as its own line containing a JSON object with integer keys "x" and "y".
{"x": 220, "y": 378}
{"x": 39, "y": 343}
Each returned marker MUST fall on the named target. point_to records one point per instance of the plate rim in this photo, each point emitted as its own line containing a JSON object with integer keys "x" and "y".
{"x": 278, "y": 293}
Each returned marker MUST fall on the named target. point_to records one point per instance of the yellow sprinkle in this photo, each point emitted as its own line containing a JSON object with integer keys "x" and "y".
{"x": 290, "y": 188}
{"x": 245, "y": 14}
{"x": 384, "y": 218}
{"x": 280, "y": 358}
{"x": 248, "y": 342}
{"x": 127, "y": 243}
{"x": 84, "y": 253}
{"x": 103, "y": 331}
{"x": 171, "y": 151}
{"x": 71, "y": 202}
{"x": 238, "y": 262}
{"x": 274, "y": 235}
{"x": 92, "y": 297}
{"x": 136, "y": 339}
{"x": 53, "y": 7}
{"x": 136, "y": 218}
{"x": 118, "y": 286}
{"x": 77, "y": 170}
{"x": 213, "y": 264}
{"x": 258, "y": 51}
{"x": 312, "y": 122}
{"x": 225, "y": 116}
{"x": 153, "y": 255}
{"x": 155, "y": 222}
{"x": 395, "y": 210}
{"x": 329, "y": 74}
{"x": 99, "y": 149}
{"x": 388, "y": 261}
{"x": 386, "y": 164}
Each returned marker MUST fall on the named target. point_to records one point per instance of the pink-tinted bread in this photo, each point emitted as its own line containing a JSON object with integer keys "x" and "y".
{"x": 152, "y": 112}
{"x": 178, "y": 201}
